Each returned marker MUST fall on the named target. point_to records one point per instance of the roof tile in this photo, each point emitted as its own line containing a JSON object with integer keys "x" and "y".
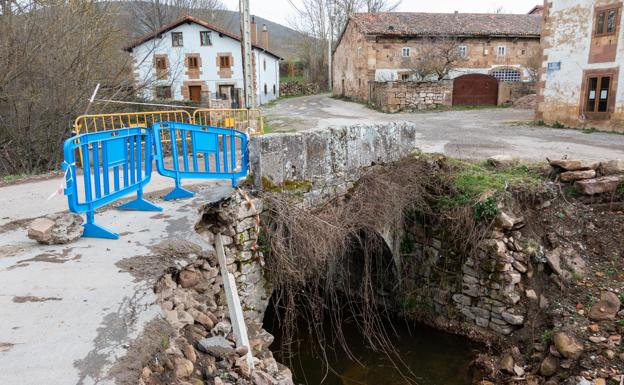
{"x": 447, "y": 24}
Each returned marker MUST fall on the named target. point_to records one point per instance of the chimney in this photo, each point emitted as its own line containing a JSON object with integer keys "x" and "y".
{"x": 265, "y": 37}
{"x": 254, "y": 31}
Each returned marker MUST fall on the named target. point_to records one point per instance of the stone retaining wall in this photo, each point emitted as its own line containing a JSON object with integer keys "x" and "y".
{"x": 484, "y": 289}
{"x": 410, "y": 95}
{"x": 237, "y": 220}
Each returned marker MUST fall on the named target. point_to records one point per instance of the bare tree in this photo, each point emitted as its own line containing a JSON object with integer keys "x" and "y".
{"x": 435, "y": 58}
{"x": 52, "y": 54}
{"x": 320, "y": 22}
{"x": 533, "y": 65}
{"x": 147, "y": 16}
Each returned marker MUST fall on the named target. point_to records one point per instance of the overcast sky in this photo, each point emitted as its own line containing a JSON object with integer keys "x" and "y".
{"x": 280, "y": 10}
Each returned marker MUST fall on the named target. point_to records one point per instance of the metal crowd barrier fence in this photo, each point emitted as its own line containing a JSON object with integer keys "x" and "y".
{"x": 114, "y": 163}
{"x": 249, "y": 121}
{"x": 105, "y": 122}
{"x": 199, "y": 152}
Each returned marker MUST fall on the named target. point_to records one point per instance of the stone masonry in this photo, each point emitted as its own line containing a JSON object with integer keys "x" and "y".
{"x": 410, "y": 95}
{"x": 237, "y": 220}
{"x": 483, "y": 289}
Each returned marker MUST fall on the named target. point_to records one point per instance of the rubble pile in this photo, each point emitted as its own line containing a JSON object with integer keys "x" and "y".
{"x": 590, "y": 177}
{"x": 203, "y": 350}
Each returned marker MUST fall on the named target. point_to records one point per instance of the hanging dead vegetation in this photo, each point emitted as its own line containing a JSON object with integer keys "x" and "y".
{"x": 330, "y": 261}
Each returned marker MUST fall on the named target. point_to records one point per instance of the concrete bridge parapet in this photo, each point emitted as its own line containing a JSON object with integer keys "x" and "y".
{"x": 328, "y": 160}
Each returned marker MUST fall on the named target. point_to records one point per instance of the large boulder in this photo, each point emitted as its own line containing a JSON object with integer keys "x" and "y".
{"x": 571, "y": 176}
{"x": 575, "y": 164}
{"x": 217, "y": 346}
{"x": 612, "y": 167}
{"x": 605, "y": 184}
{"x": 607, "y": 308}
{"x": 56, "y": 228}
{"x": 567, "y": 346}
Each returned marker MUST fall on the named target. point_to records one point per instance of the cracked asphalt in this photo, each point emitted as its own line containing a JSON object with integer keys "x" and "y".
{"x": 69, "y": 312}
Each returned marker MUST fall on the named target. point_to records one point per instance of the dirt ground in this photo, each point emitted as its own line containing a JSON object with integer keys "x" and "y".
{"x": 472, "y": 133}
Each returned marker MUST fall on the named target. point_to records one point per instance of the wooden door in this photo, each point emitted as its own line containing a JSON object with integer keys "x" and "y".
{"x": 195, "y": 93}
{"x": 475, "y": 90}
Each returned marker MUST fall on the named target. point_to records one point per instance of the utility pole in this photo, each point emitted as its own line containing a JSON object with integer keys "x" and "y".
{"x": 249, "y": 95}
{"x": 330, "y": 38}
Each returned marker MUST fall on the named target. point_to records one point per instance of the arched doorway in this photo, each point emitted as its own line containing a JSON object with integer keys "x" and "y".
{"x": 475, "y": 90}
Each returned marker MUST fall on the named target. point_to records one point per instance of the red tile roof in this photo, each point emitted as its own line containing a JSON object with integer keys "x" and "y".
{"x": 448, "y": 24}
{"x": 191, "y": 19}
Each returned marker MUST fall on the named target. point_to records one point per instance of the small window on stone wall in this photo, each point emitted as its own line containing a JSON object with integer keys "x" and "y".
{"x": 405, "y": 52}
{"x": 506, "y": 74}
{"x": 463, "y": 51}
{"x": 405, "y": 77}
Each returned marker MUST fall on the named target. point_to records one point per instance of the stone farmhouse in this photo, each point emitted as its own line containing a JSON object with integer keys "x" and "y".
{"x": 582, "y": 56}
{"x": 191, "y": 59}
{"x": 375, "y": 47}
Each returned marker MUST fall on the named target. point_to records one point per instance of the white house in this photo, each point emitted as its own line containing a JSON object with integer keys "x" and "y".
{"x": 191, "y": 59}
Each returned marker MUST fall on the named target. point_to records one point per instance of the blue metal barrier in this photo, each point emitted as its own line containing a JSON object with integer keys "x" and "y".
{"x": 115, "y": 163}
{"x": 224, "y": 154}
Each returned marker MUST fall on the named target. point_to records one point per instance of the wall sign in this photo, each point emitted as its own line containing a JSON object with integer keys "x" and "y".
{"x": 554, "y": 66}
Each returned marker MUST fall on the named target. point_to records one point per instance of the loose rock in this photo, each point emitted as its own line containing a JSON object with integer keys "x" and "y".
{"x": 56, "y": 229}
{"x": 607, "y": 308}
{"x": 567, "y": 346}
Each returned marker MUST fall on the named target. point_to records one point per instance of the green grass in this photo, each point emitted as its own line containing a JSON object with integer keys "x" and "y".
{"x": 620, "y": 188}
{"x": 296, "y": 79}
{"x": 480, "y": 185}
{"x": 476, "y": 180}
{"x": 547, "y": 336}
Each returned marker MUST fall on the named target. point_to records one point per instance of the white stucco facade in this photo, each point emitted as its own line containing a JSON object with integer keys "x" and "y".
{"x": 574, "y": 53}
{"x": 208, "y": 74}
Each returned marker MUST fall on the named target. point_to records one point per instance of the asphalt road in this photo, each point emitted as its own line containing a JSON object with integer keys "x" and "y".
{"x": 476, "y": 133}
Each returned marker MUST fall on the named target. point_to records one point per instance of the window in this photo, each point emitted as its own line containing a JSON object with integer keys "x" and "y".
{"x": 177, "y": 39}
{"x": 161, "y": 63}
{"x": 606, "y": 22}
{"x": 193, "y": 62}
{"x": 405, "y": 77}
{"x": 274, "y": 90}
{"x": 163, "y": 92}
{"x": 266, "y": 89}
{"x": 405, "y": 52}
{"x": 204, "y": 38}
{"x": 264, "y": 64}
{"x": 506, "y": 74}
{"x": 224, "y": 62}
{"x": 598, "y": 94}
{"x": 161, "y": 67}
{"x": 501, "y": 50}
{"x": 463, "y": 51}
{"x": 523, "y": 52}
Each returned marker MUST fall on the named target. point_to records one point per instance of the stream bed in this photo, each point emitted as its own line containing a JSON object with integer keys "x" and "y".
{"x": 430, "y": 357}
